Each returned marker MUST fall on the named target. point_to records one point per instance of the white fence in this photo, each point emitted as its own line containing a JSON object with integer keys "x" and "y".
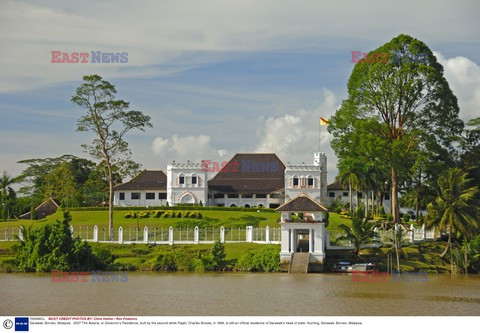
{"x": 410, "y": 236}
{"x": 168, "y": 236}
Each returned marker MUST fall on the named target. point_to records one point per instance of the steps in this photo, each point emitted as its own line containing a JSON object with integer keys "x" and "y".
{"x": 299, "y": 262}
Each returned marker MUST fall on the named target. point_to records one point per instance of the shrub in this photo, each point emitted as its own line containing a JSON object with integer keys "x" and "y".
{"x": 405, "y": 218}
{"x": 131, "y": 215}
{"x": 382, "y": 212}
{"x": 199, "y": 216}
{"x": 266, "y": 260}
{"x": 52, "y": 247}
{"x": 144, "y": 214}
{"x": 158, "y": 213}
{"x": 165, "y": 262}
{"x": 187, "y": 214}
{"x": 218, "y": 257}
{"x": 179, "y": 215}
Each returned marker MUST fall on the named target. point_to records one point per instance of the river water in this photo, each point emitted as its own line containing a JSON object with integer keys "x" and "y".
{"x": 238, "y": 294}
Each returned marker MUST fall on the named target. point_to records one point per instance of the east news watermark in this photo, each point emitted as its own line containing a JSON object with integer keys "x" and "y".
{"x": 242, "y": 166}
{"x": 373, "y": 276}
{"x": 93, "y": 57}
{"x": 96, "y": 276}
{"x": 386, "y": 57}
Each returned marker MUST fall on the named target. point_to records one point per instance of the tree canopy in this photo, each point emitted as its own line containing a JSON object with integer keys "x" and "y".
{"x": 110, "y": 120}
{"x": 396, "y": 111}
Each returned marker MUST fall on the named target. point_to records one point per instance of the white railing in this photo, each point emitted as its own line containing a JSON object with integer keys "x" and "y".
{"x": 414, "y": 235}
{"x": 264, "y": 235}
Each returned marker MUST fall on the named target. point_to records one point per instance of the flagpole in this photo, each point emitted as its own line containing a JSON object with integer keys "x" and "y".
{"x": 320, "y": 161}
{"x": 321, "y": 122}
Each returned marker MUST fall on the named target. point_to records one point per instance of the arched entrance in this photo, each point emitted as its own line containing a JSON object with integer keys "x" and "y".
{"x": 187, "y": 199}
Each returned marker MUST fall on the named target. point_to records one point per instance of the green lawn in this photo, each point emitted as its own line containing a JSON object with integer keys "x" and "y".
{"x": 213, "y": 218}
{"x": 336, "y": 219}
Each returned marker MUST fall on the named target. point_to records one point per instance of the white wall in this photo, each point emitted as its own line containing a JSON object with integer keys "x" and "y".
{"x": 179, "y": 193}
{"x": 142, "y": 202}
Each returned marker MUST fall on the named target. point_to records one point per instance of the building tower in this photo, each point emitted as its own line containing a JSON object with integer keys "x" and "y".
{"x": 320, "y": 159}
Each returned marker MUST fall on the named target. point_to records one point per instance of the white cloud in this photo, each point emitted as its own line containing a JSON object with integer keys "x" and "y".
{"x": 160, "y": 35}
{"x": 295, "y": 136}
{"x": 463, "y": 76}
{"x": 181, "y": 149}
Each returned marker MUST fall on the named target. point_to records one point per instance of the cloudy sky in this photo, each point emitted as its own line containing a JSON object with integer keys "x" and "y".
{"x": 216, "y": 76}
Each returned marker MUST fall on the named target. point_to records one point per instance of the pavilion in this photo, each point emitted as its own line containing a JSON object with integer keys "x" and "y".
{"x": 303, "y": 222}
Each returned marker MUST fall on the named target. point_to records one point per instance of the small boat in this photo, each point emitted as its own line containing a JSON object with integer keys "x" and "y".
{"x": 348, "y": 267}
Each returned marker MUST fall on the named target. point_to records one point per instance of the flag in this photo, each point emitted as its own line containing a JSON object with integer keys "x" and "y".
{"x": 324, "y": 121}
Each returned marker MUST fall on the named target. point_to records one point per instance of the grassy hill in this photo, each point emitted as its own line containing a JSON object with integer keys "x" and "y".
{"x": 210, "y": 218}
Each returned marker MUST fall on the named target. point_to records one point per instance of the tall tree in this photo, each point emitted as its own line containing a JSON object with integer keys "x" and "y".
{"x": 410, "y": 102}
{"x": 455, "y": 209}
{"x": 110, "y": 120}
{"x": 60, "y": 184}
{"x": 470, "y": 158}
{"x": 7, "y": 194}
{"x": 349, "y": 175}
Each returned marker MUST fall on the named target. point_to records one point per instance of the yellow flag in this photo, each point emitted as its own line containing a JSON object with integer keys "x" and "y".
{"x": 324, "y": 121}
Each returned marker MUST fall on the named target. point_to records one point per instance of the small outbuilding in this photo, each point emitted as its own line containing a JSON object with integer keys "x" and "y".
{"x": 303, "y": 222}
{"x": 48, "y": 207}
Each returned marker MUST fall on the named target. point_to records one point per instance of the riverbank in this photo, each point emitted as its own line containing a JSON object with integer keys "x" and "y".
{"x": 143, "y": 257}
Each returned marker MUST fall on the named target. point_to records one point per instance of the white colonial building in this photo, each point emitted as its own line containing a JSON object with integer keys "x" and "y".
{"x": 246, "y": 180}
{"x": 146, "y": 189}
{"x": 186, "y": 183}
{"x": 310, "y": 179}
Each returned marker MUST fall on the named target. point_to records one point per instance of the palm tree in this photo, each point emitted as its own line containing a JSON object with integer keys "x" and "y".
{"x": 349, "y": 175}
{"x": 455, "y": 209}
{"x": 368, "y": 183}
{"x": 397, "y": 236}
{"x": 360, "y": 233}
{"x": 6, "y": 191}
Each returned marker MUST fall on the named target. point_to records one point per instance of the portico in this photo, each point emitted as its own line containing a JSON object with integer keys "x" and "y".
{"x": 303, "y": 222}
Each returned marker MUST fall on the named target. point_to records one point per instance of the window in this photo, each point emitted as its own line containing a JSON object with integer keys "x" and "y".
{"x": 310, "y": 181}
{"x": 135, "y": 196}
{"x": 219, "y": 196}
{"x": 122, "y": 195}
{"x": 181, "y": 180}
{"x": 275, "y": 196}
{"x": 162, "y": 196}
{"x": 360, "y": 195}
{"x": 233, "y": 196}
{"x": 345, "y": 194}
{"x": 387, "y": 196}
{"x": 295, "y": 181}
{"x": 247, "y": 195}
{"x": 150, "y": 196}
{"x": 194, "y": 180}
{"x": 331, "y": 194}
{"x": 261, "y": 196}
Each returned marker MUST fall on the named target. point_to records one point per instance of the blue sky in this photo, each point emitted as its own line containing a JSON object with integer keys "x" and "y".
{"x": 217, "y": 77}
